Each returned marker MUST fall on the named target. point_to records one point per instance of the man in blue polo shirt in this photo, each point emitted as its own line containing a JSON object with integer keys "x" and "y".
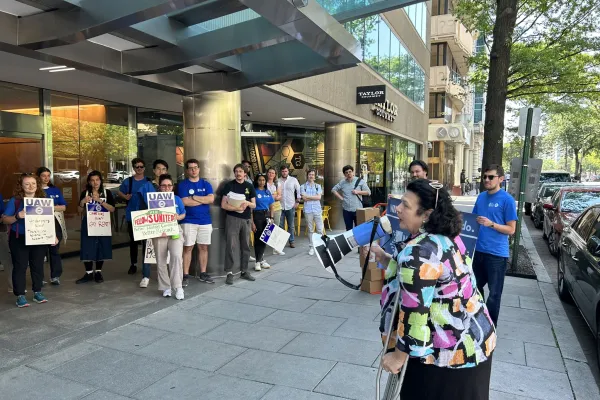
{"x": 197, "y": 195}
{"x": 497, "y": 214}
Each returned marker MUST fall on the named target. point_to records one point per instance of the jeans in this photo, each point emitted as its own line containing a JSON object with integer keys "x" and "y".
{"x": 313, "y": 220}
{"x": 26, "y": 256}
{"x": 349, "y": 219}
{"x": 133, "y": 251}
{"x": 237, "y": 235}
{"x": 289, "y": 216}
{"x": 260, "y": 220}
{"x": 490, "y": 269}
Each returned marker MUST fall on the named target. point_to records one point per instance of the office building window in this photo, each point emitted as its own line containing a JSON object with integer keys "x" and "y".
{"x": 440, "y": 106}
{"x": 20, "y": 99}
{"x": 417, "y": 13}
{"x": 441, "y": 7}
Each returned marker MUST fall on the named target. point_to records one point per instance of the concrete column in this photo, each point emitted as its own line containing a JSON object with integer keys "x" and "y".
{"x": 212, "y": 135}
{"x": 459, "y": 164}
{"x": 340, "y": 150}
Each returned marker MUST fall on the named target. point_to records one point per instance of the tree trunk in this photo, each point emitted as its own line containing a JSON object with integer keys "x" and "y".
{"x": 495, "y": 107}
{"x": 577, "y": 161}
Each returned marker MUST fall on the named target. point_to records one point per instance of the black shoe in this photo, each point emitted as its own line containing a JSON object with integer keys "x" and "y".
{"x": 186, "y": 281}
{"x": 132, "y": 269}
{"x": 247, "y": 276}
{"x": 229, "y": 279}
{"x": 85, "y": 279}
{"x": 98, "y": 277}
{"x": 204, "y": 277}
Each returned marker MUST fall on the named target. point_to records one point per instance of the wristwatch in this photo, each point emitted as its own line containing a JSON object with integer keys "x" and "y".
{"x": 492, "y": 225}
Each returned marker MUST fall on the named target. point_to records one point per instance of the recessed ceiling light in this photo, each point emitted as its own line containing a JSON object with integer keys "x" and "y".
{"x": 292, "y": 118}
{"x": 56, "y": 67}
{"x": 61, "y": 70}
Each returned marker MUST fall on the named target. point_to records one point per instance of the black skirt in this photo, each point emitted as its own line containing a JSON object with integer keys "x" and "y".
{"x": 428, "y": 382}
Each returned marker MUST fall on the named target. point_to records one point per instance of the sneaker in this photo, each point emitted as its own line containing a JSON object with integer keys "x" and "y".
{"x": 292, "y": 245}
{"x": 98, "y": 277}
{"x": 39, "y": 298}
{"x": 246, "y": 275}
{"x": 44, "y": 283}
{"x": 257, "y": 266}
{"x": 206, "y": 278}
{"x": 186, "y": 281}
{"x": 252, "y": 259}
{"x": 55, "y": 281}
{"x": 265, "y": 264}
{"x": 278, "y": 253}
{"x": 229, "y": 279}
{"x": 144, "y": 283}
{"x": 86, "y": 278}
{"x": 311, "y": 252}
{"x": 132, "y": 269}
{"x": 22, "y": 302}
{"x": 179, "y": 293}
{"x": 167, "y": 293}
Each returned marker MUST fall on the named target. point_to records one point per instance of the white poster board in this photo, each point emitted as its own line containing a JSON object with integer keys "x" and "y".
{"x": 153, "y": 223}
{"x": 275, "y": 237}
{"x": 98, "y": 219}
{"x": 39, "y": 221}
{"x": 150, "y": 255}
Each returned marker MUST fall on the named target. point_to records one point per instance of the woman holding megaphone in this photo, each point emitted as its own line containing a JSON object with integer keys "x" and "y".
{"x": 444, "y": 331}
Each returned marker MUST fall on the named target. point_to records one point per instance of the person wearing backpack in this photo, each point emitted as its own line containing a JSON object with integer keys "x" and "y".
{"x": 352, "y": 189}
{"x": 311, "y": 193}
{"x": 5, "y": 258}
{"x": 128, "y": 191}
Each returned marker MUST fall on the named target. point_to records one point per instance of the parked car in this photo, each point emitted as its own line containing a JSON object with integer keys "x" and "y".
{"x": 544, "y": 196}
{"x": 117, "y": 176}
{"x": 579, "y": 268}
{"x": 566, "y": 205}
{"x": 549, "y": 177}
{"x": 66, "y": 175}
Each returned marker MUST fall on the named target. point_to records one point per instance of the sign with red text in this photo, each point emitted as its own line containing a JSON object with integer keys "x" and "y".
{"x": 39, "y": 221}
{"x": 98, "y": 219}
{"x": 153, "y": 223}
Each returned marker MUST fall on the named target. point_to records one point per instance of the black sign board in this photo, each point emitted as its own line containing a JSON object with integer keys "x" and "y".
{"x": 370, "y": 94}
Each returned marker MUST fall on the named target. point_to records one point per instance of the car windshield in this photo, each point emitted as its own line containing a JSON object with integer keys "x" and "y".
{"x": 555, "y": 177}
{"x": 576, "y": 202}
{"x": 549, "y": 191}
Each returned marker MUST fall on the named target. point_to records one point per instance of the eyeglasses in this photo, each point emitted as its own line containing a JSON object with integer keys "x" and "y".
{"x": 166, "y": 186}
{"x": 489, "y": 177}
{"x": 193, "y": 168}
{"x": 139, "y": 166}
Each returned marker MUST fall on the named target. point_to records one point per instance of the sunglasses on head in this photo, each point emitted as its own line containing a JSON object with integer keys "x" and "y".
{"x": 490, "y": 177}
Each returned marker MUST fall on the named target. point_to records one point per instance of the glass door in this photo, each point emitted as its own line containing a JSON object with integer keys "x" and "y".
{"x": 372, "y": 169}
{"x": 19, "y": 153}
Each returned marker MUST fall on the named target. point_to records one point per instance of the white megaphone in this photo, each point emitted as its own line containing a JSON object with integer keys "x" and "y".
{"x": 330, "y": 250}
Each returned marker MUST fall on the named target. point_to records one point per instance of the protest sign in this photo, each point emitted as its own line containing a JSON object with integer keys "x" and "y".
{"x": 275, "y": 237}
{"x": 39, "y": 221}
{"x": 150, "y": 255}
{"x": 153, "y": 223}
{"x": 98, "y": 219}
{"x": 160, "y": 199}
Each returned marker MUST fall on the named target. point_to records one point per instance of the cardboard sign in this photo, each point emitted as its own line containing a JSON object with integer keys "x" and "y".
{"x": 98, "y": 219}
{"x": 39, "y": 221}
{"x": 160, "y": 200}
{"x": 150, "y": 255}
{"x": 153, "y": 223}
{"x": 275, "y": 237}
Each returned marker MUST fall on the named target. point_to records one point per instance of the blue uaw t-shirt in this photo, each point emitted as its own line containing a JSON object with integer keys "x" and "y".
{"x": 264, "y": 199}
{"x": 133, "y": 204}
{"x": 200, "y": 214}
{"x": 11, "y": 211}
{"x": 500, "y": 208}
{"x": 55, "y": 194}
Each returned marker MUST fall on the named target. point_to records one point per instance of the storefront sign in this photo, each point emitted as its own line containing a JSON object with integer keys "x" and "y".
{"x": 98, "y": 219}
{"x": 39, "y": 221}
{"x": 386, "y": 110}
{"x": 370, "y": 94}
{"x": 153, "y": 223}
{"x": 275, "y": 237}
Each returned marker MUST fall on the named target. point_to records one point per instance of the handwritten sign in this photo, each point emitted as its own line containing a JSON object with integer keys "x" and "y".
{"x": 98, "y": 219}
{"x": 150, "y": 255}
{"x": 161, "y": 200}
{"x": 39, "y": 221}
{"x": 153, "y": 223}
{"x": 275, "y": 237}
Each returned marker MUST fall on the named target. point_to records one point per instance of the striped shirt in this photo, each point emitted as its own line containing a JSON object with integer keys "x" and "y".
{"x": 311, "y": 206}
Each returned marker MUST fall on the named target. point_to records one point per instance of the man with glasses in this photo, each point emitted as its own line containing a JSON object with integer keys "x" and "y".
{"x": 497, "y": 214}
{"x": 352, "y": 188}
{"x": 128, "y": 191}
{"x": 289, "y": 189}
{"x": 197, "y": 196}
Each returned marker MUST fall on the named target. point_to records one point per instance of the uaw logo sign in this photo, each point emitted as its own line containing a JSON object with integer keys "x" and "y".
{"x": 39, "y": 221}
{"x": 161, "y": 200}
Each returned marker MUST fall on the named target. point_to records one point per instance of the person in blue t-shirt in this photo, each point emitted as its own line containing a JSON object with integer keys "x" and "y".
{"x": 128, "y": 191}
{"x": 5, "y": 259}
{"x": 197, "y": 195}
{"x": 260, "y": 217}
{"x": 60, "y": 206}
{"x": 497, "y": 214}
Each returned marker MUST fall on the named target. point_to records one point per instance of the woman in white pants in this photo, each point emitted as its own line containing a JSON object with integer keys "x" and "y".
{"x": 311, "y": 193}
{"x": 170, "y": 278}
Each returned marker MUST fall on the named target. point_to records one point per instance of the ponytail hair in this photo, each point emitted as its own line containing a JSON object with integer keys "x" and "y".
{"x": 444, "y": 219}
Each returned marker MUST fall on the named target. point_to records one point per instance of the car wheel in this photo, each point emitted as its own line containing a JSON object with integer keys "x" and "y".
{"x": 552, "y": 245}
{"x": 537, "y": 221}
{"x": 120, "y": 180}
{"x": 544, "y": 236}
{"x": 563, "y": 292}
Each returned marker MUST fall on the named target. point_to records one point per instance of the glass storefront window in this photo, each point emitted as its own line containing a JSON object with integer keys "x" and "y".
{"x": 398, "y": 169}
{"x": 20, "y": 99}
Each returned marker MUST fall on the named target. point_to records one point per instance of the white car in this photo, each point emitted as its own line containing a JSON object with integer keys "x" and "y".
{"x": 117, "y": 176}
{"x": 67, "y": 175}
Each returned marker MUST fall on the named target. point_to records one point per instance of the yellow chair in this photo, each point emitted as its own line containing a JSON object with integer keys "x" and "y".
{"x": 251, "y": 238}
{"x": 299, "y": 217}
{"x": 324, "y": 216}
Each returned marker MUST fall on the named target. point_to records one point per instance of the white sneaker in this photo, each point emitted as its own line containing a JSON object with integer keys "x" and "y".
{"x": 257, "y": 266}
{"x": 311, "y": 252}
{"x": 144, "y": 283}
{"x": 278, "y": 253}
{"x": 265, "y": 264}
{"x": 167, "y": 293}
{"x": 252, "y": 258}
{"x": 179, "y": 293}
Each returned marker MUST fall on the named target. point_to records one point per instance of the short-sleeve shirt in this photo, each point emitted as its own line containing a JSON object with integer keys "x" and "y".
{"x": 136, "y": 185}
{"x": 264, "y": 199}
{"x": 10, "y": 211}
{"x": 311, "y": 206}
{"x": 500, "y": 208}
{"x": 179, "y": 207}
{"x": 351, "y": 201}
{"x": 55, "y": 194}
{"x": 240, "y": 188}
{"x": 200, "y": 214}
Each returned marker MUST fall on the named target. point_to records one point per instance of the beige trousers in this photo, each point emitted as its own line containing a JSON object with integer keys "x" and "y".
{"x": 171, "y": 276}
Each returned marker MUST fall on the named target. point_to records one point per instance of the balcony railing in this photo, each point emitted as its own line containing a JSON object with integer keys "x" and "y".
{"x": 447, "y": 28}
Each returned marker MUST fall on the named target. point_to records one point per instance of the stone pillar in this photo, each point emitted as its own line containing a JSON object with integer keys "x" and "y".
{"x": 213, "y": 136}
{"x": 459, "y": 164}
{"x": 340, "y": 150}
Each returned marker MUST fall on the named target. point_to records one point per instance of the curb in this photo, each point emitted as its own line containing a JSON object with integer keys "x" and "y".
{"x": 538, "y": 266}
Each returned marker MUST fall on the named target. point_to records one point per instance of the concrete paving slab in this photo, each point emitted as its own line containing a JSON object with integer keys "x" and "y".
{"x": 358, "y": 328}
{"x": 197, "y": 353}
{"x": 255, "y": 336}
{"x": 521, "y": 282}
{"x": 194, "y": 302}
{"x": 334, "y": 284}
{"x": 278, "y": 369}
{"x": 291, "y": 266}
{"x": 524, "y": 316}
{"x": 568, "y": 341}
{"x": 510, "y": 300}
{"x": 496, "y": 395}
{"x": 544, "y": 357}
{"x": 105, "y": 395}
{"x": 56, "y": 359}
{"x": 129, "y": 337}
{"x": 360, "y": 297}
{"x": 349, "y": 381}
{"x": 295, "y": 279}
{"x": 59, "y": 343}
{"x": 23, "y": 381}
{"x": 524, "y": 332}
{"x": 180, "y": 321}
{"x": 234, "y": 311}
{"x": 302, "y": 322}
{"x": 343, "y": 310}
{"x": 79, "y": 317}
{"x": 583, "y": 382}
{"x": 11, "y": 359}
{"x": 27, "y": 333}
{"x": 36, "y": 312}
{"x": 511, "y": 351}
{"x": 116, "y": 371}
{"x": 288, "y": 393}
{"x": 230, "y": 293}
{"x": 186, "y": 383}
{"x": 264, "y": 285}
{"x": 517, "y": 290}
{"x": 318, "y": 293}
{"x": 319, "y": 272}
{"x": 352, "y": 351}
{"x": 530, "y": 382}
{"x": 532, "y": 303}
{"x": 279, "y": 301}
